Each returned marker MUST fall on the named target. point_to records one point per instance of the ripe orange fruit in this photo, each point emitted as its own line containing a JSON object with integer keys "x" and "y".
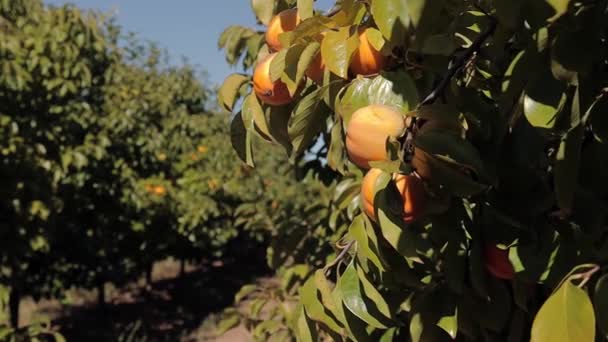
{"x": 366, "y": 60}
{"x": 273, "y": 93}
{"x": 316, "y": 69}
{"x": 285, "y": 21}
{"x": 497, "y": 262}
{"x": 410, "y": 188}
{"x": 367, "y": 131}
{"x": 159, "y": 190}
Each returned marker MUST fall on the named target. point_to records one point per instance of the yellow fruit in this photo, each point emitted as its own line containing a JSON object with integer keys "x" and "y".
{"x": 366, "y": 60}
{"x": 159, "y": 190}
{"x": 316, "y": 69}
{"x": 285, "y": 21}
{"x": 368, "y": 130}
{"x": 273, "y": 93}
{"x": 410, "y": 188}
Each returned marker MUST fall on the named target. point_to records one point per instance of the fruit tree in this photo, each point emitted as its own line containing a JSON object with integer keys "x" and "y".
{"x": 467, "y": 143}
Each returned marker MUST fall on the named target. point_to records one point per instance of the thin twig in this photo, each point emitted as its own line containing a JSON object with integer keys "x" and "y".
{"x": 459, "y": 62}
{"x": 456, "y": 64}
{"x": 586, "y": 276}
{"x": 340, "y": 256}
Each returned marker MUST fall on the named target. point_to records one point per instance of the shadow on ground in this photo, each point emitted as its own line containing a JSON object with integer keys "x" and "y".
{"x": 169, "y": 310}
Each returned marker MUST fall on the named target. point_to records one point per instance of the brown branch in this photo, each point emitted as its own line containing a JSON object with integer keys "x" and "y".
{"x": 585, "y": 276}
{"x": 340, "y": 256}
{"x": 459, "y": 62}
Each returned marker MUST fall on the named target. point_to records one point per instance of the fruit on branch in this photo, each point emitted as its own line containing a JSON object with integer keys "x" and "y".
{"x": 368, "y": 130}
{"x": 316, "y": 69}
{"x": 497, "y": 262}
{"x": 366, "y": 60}
{"x": 285, "y": 21}
{"x": 159, "y": 190}
{"x": 273, "y": 93}
{"x": 411, "y": 190}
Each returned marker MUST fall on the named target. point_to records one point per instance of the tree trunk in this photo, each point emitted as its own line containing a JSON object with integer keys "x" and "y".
{"x": 13, "y": 303}
{"x": 149, "y": 270}
{"x": 101, "y": 293}
{"x": 182, "y": 267}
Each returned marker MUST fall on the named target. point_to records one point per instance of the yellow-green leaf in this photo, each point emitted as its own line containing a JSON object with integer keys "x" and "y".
{"x": 566, "y": 316}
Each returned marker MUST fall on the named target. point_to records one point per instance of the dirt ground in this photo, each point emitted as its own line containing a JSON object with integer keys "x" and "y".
{"x": 173, "y": 308}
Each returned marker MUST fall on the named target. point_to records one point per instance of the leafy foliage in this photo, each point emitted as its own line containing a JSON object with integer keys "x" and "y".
{"x": 112, "y": 160}
{"x": 504, "y": 104}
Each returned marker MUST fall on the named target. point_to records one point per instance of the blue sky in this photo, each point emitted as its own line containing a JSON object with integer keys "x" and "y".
{"x": 187, "y": 28}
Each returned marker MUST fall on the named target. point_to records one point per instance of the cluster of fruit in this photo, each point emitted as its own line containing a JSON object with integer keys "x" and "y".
{"x": 366, "y": 60}
{"x": 367, "y": 131}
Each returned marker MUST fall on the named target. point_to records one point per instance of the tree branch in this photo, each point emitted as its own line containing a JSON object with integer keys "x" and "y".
{"x": 586, "y": 276}
{"x": 340, "y": 256}
{"x": 460, "y": 62}
{"x": 454, "y": 67}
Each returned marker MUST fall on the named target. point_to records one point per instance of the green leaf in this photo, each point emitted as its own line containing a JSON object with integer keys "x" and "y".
{"x": 544, "y": 98}
{"x": 56, "y": 336}
{"x": 395, "y": 89}
{"x": 416, "y": 327}
{"x": 308, "y": 30}
{"x": 449, "y": 324}
{"x": 355, "y": 327}
{"x": 566, "y": 316}
{"x": 451, "y": 148}
{"x": 244, "y": 292}
{"x": 392, "y": 18}
{"x": 308, "y": 119}
{"x": 336, "y": 154}
{"x": 598, "y": 118}
{"x": 375, "y": 38}
{"x": 567, "y": 167}
{"x": 355, "y": 300}
{"x": 559, "y": 6}
{"x": 229, "y": 90}
{"x": 370, "y": 292}
{"x": 305, "y": 8}
{"x": 253, "y": 109}
{"x": 241, "y": 140}
{"x": 455, "y": 265}
{"x": 508, "y": 12}
{"x": 324, "y": 288}
{"x": 365, "y": 251}
{"x": 263, "y": 9}
{"x": 309, "y": 297}
{"x": 352, "y": 13}
{"x": 256, "y": 306}
{"x": 278, "y": 121}
{"x": 304, "y": 327}
{"x": 439, "y": 44}
{"x": 227, "y": 323}
{"x": 389, "y": 211}
{"x": 337, "y": 48}
{"x": 294, "y": 64}
{"x": 600, "y": 299}
{"x": 278, "y": 65}
{"x": 439, "y": 112}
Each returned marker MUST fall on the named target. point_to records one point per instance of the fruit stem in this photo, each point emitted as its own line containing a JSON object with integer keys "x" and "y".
{"x": 340, "y": 256}
{"x": 586, "y": 276}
